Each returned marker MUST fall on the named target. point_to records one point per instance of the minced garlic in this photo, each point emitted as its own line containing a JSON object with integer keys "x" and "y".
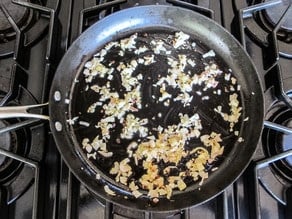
{"x": 147, "y": 142}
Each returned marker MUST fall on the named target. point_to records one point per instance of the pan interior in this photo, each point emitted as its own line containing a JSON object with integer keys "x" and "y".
{"x": 87, "y": 108}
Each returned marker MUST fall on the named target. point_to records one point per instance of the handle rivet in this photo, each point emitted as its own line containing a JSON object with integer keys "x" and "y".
{"x": 58, "y": 126}
{"x": 57, "y": 96}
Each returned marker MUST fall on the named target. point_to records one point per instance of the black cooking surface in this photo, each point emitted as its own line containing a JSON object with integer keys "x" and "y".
{"x": 36, "y": 183}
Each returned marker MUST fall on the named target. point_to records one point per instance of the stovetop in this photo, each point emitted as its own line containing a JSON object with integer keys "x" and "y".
{"x": 36, "y": 183}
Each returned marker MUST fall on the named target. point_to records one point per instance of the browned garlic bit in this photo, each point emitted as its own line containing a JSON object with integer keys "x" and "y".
{"x": 180, "y": 39}
{"x": 122, "y": 171}
{"x": 133, "y": 125}
{"x": 148, "y": 146}
{"x": 109, "y": 191}
{"x": 235, "y": 111}
{"x": 213, "y": 140}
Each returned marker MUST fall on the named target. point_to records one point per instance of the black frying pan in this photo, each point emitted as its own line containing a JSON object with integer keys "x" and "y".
{"x": 156, "y": 18}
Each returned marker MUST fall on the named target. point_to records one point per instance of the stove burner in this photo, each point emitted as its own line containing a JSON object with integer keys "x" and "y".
{"x": 287, "y": 139}
{"x": 8, "y": 142}
{"x": 28, "y": 20}
{"x": 21, "y": 16}
{"x": 14, "y": 142}
{"x": 275, "y": 142}
{"x": 273, "y": 15}
{"x": 265, "y": 15}
{"x": 25, "y": 139}
{"x": 18, "y": 13}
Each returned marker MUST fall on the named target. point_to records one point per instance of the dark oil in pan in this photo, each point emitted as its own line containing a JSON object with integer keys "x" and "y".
{"x": 151, "y": 107}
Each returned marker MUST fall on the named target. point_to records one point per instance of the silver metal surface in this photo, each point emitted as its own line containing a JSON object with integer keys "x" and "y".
{"x": 7, "y": 112}
{"x": 277, "y": 127}
{"x": 58, "y": 126}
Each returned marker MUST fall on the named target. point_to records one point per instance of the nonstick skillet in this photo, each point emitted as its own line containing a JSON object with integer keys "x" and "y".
{"x": 153, "y": 19}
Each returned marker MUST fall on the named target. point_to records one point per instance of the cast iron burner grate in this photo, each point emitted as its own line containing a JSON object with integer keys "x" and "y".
{"x": 90, "y": 15}
{"x": 280, "y": 191}
{"x": 34, "y": 173}
{"x": 267, "y": 24}
{"x": 273, "y": 15}
{"x": 274, "y": 48}
{"x": 21, "y": 63}
{"x": 19, "y": 138}
{"x": 22, "y": 22}
{"x": 264, "y": 18}
{"x": 20, "y": 15}
{"x": 10, "y": 141}
{"x": 275, "y": 142}
{"x": 276, "y": 174}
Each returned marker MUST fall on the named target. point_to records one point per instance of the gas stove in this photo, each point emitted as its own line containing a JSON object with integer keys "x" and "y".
{"x": 34, "y": 180}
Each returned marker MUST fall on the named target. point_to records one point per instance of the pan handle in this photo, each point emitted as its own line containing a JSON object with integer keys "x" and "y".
{"x": 7, "y": 112}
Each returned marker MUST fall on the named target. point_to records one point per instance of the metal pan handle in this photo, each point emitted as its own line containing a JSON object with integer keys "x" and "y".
{"x": 7, "y": 112}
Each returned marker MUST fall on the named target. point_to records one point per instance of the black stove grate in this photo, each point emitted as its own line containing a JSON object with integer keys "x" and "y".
{"x": 268, "y": 182}
{"x": 255, "y": 19}
{"x": 25, "y": 71}
{"x": 36, "y": 169}
{"x": 264, "y": 164}
{"x": 30, "y": 30}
